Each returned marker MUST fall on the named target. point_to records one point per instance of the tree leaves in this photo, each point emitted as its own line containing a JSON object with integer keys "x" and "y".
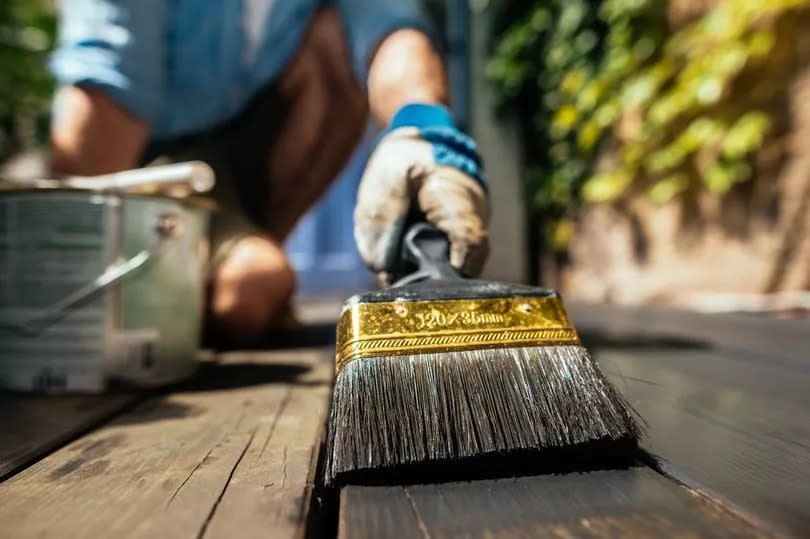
{"x": 577, "y": 73}
{"x": 27, "y": 34}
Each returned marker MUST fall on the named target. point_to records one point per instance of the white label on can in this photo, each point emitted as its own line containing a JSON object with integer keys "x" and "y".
{"x": 50, "y": 246}
{"x": 133, "y": 354}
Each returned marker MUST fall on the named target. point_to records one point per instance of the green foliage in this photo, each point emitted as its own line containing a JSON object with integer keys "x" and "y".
{"x": 604, "y": 79}
{"x": 543, "y": 51}
{"x": 27, "y": 30}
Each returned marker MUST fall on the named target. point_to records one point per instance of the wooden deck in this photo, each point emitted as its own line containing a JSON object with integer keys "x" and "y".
{"x": 227, "y": 453}
{"x": 233, "y": 452}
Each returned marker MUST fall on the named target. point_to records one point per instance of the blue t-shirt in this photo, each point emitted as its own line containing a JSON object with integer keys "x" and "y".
{"x": 187, "y": 65}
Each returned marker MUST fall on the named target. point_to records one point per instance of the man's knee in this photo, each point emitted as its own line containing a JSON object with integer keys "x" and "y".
{"x": 251, "y": 287}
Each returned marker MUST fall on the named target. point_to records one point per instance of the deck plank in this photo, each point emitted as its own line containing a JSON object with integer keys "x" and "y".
{"x": 636, "y": 502}
{"x": 271, "y": 485}
{"x": 725, "y": 398}
{"x": 34, "y": 425}
{"x": 167, "y": 467}
{"x": 737, "y": 429}
{"x": 377, "y": 512}
{"x": 783, "y": 340}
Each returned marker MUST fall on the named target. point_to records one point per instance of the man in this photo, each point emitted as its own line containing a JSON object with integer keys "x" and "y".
{"x": 274, "y": 95}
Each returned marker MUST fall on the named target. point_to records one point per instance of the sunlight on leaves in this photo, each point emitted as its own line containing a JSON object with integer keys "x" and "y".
{"x": 608, "y": 83}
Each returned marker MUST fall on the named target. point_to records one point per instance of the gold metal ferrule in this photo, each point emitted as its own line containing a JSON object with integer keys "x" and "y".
{"x": 410, "y": 327}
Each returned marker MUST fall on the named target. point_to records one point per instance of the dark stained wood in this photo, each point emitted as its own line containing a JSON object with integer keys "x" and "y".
{"x": 377, "y": 512}
{"x": 725, "y": 398}
{"x": 31, "y": 426}
{"x": 784, "y": 340}
{"x": 736, "y": 427}
{"x": 226, "y": 455}
{"x": 728, "y": 410}
{"x": 635, "y": 502}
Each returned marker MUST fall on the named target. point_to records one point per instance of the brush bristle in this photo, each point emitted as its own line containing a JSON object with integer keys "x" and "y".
{"x": 393, "y": 411}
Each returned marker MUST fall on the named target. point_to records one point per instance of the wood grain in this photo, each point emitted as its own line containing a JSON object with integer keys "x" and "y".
{"x": 377, "y": 512}
{"x": 736, "y": 426}
{"x": 725, "y": 397}
{"x": 635, "y": 502}
{"x": 271, "y": 486}
{"x": 227, "y": 454}
{"x": 32, "y": 425}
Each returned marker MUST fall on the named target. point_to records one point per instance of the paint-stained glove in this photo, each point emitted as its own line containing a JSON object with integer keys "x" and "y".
{"x": 423, "y": 159}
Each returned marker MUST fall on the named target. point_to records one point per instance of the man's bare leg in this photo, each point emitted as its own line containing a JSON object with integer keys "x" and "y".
{"x": 325, "y": 121}
{"x": 252, "y": 285}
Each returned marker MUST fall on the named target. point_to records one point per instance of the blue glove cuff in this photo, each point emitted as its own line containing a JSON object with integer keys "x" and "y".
{"x": 451, "y": 147}
{"x": 421, "y": 115}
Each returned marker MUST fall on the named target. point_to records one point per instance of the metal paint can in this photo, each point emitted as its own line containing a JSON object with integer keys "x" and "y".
{"x": 98, "y": 289}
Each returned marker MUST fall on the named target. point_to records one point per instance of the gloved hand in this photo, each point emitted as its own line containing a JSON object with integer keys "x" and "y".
{"x": 423, "y": 159}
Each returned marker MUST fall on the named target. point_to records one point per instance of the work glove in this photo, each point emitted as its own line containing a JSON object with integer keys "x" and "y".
{"x": 423, "y": 159}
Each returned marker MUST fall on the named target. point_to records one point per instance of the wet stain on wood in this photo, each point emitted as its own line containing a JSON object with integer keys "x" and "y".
{"x": 88, "y": 453}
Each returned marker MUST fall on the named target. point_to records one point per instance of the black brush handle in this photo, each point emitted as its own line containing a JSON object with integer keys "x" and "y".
{"x": 424, "y": 273}
{"x": 428, "y": 248}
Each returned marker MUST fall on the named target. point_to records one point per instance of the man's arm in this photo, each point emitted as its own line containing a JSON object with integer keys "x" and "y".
{"x": 110, "y": 68}
{"x": 423, "y": 160}
{"x": 405, "y": 69}
{"x": 392, "y": 53}
{"x": 91, "y": 134}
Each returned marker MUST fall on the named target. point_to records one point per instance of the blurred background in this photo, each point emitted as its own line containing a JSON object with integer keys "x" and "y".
{"x": 638, "y": 151}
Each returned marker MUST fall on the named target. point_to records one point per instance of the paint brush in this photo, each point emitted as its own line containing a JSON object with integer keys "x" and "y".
{"x": 439, "y": 369}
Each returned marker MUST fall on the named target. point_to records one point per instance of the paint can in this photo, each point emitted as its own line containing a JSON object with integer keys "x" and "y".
{"x": 99, "y": 288}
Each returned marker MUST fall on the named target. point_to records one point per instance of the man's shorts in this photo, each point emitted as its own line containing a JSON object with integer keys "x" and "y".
{"x": 238, "y": 153}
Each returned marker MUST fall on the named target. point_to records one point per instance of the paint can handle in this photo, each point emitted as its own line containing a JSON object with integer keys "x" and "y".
{"x": 166, "y": 229}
